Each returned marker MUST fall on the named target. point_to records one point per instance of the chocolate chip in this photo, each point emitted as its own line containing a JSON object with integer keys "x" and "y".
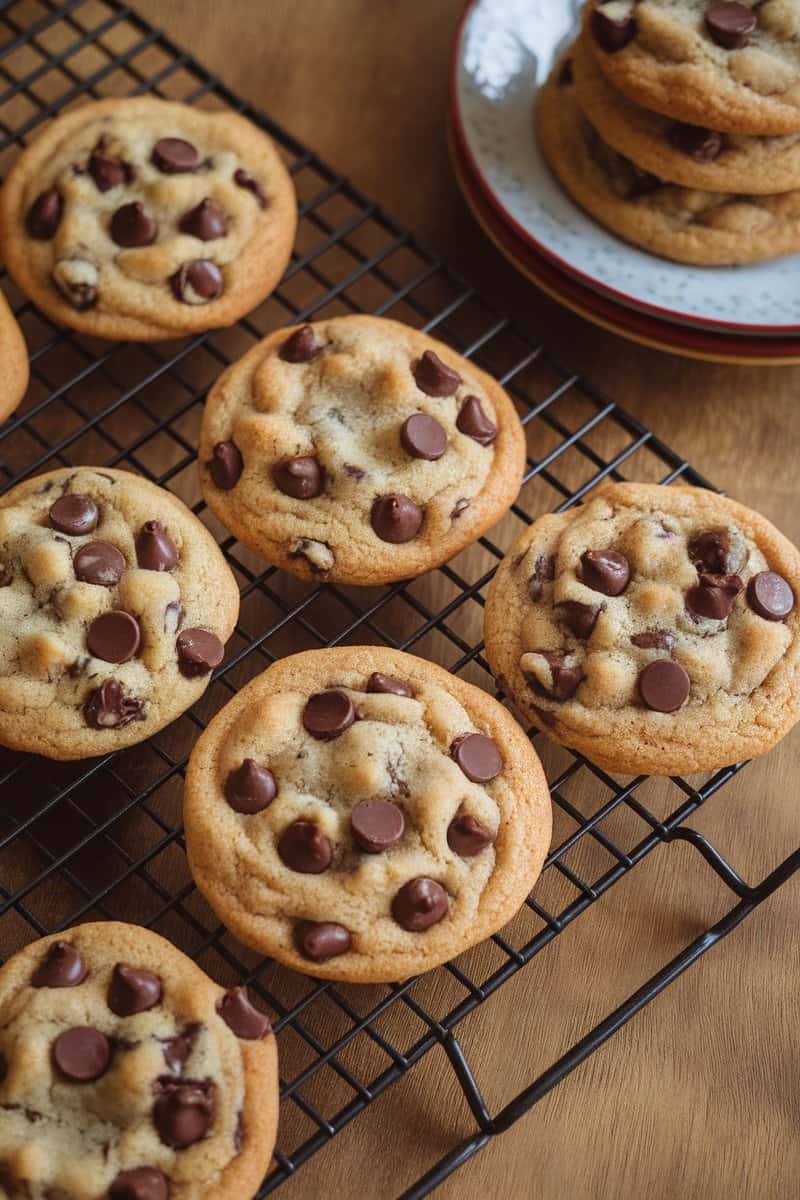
{"x": 242, "y": 1017}
{"x": 183, "y": 1112}
{"x": 566, "y": 75}
{"x": 605, "y": 571}
{"x": 74, "y": 515}
{"x": 178, "y": 1048}
{"x": 378, "y": 682}
{"x": 106, "y": 171}
{"x": 467, "y": 836}
{"x": 664, "y": 685}
{"x": 133, "y": 990}
{"x": 76, "y": 280}
{"x": 114, "y": 636}
{"x": 458, "y": 508}
{"x": 82, "y": 1054}
{"x": 6, "y": 575}
{"x": 419, "y": 904}
{"x": 133, "y": 225}
{"x": 99, "y": 563}
{"x": 565, "y": 679}
{"x": 173, "y": 615}
{"x": 770, "y": 596}
{"x": 155, "y": 549}
{"x": 250, "y": 788}
{"x": 709, "y": 551}
{"x": 703, "y": 145}
{"x": 197, "y": 282}
{"x": 109, "y": 708}
{"x": 544, "y": 572}
{"x": 205, "y": 221}
{"x": 226, "y": 465}
{"x": 44, "y": 215}
{"x": 579, "y": 618}
{"x": 642, "y": 183}
{"x": 654, "y": 639}
{"x": 142, "y": 1183}
{"x": 396, "y": 519}
{"x": 478, "y": 756}
{"x": 423, "y": 437}
{"x": 435, "y": 378}
{"x": 199, "y": 651}
{"x": 174, "y": 156}
{"x": 301, "y": 346}
{"x": 244, "y": 179}
{"x": 714, "y": 596}
{"x": 473, "y": 421}
{"x": 304, "y": 847}
{"x": 319, "y": 940}
{"x": 302, "y": 478}
{"x": 61, "y": 967}
{"x": 376, "y": 825}
{"x": 730, "y": 24}
{"x": 612, "y": 33}
{"x": 328, "y": 714}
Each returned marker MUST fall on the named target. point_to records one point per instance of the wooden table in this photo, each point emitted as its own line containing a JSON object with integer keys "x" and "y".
{"x": 699, "y": 1095}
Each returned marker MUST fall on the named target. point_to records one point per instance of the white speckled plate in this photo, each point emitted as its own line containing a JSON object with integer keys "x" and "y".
{"x": 504, "y": 50}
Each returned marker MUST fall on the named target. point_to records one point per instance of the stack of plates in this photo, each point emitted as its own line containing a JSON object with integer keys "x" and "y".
{"x": 504, "y": 51}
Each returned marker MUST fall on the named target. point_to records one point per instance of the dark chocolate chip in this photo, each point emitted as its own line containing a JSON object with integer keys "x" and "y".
{"x": 301, "y": 346}
{"x": 133, "y": 225}
{"x": 242, "y": 1017}
{"x": 579, "y": 618}
{"x": 423, "y": 437}
{"x": 714, "y": 596}
{"x": 642, "y": 183}
{"x": 304, "y": 847}
{"x": 174, "y": 156}
{"x": 79, "y": 292}
{"x": 435, "y": 378}
{"x": 114, "y": 636}
{"x": 205, "y": 221}
{"x": 376, "y": 825}
{"x": 106, "y": 171}
{"x": 478, "y": 756}
{"x": 302, "y": 478}
{"x": 612, "y": 33}
{"x": 142, "y": 1183}
{"x": 328, "y": 714}
{"x": 109, "y": 708}
{"x": 378, "y": 682}
{"x": 183, "y": 1112}
{"x": 155, "y": 549}
{"x": 565, "y": 680}
{"x": 197, "y": 282}
{"x": 177, "y": 1049}
{"x": 244, "y": 179}
{"x": 654, "y": 639}
{"x": 710, "y": 551}
{"x": 226, "y": 465}
{"x": 99, "y": 563}
{"x": 467, "y": 836}
{"x": 62, "y": 966}
{"x": 730, "y": 24}
{"x": 82, "y": 1054}
{"x": 199, "y": 651}
{"x": 250, "y": 788}
{"x": 770, "y": 596}
{"x": 75, "y": 515}
{"x": 544, "y": 572}
{"x": 703, "y": 145}
{"x": 664, "y": 685}
{"x": 396, "y": 519}
{"x": 474, "y": 423}
{"x": 173, "y": 615}
{"x": 605, "y": 571}
{"x": 44, "y": 215}
{"x": 419, "y": 904}
{"x": 133, "y": 990}
{"x": 319, "y": 940}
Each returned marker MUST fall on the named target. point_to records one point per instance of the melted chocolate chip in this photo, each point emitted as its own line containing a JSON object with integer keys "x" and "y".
{"x": 183, "y": 1112}
{"x": 714, "y": 596}
{"x": 654, "y": 639}
{"x": 133, "y": 225}
{"x": 769, "y": 595}
{"x": 478, "y": 756}
{"x": 544, "y": 572}
{"x": 242, "y": 1017}
{"x": 319, "y": 940}
{"x": 565, "y": 679}
{"x": 197, "y": 282}
{"x": 109, "y": 708}
{"x": 423, "y": 437}
{"x": 226, "y": 465}
{"x": 244, "y": 179}
{"x": 44, "y": 215}
{"x": 389, "y": 683}
{"x": 199, "y": 651}
{"x": 396, "y": 519}
{"x": 114, "y": 636}
{"x": 82, "y": 1054}
{"x": 419, "y": 904}
{"x": 74, "y": 515}
{"x": 703, "y": 145}
{"x": 473, "y": 421}
{"x": 328, "y": 714}
{"x": 302, "y": 478}
{"x": 304, "y": 847}
{"x": 177, "y": 1049}
{"x": 605, "y": 571}
{"x": 142, "y": 1183}
{"x": 61, "y": 967}
{"x": 301, "y": 346}
{"x": 467, "y": 836}
{"x": 205, "y": 221}
{"x": 664, "y": 685}
{"x": 155, "y": 549}
{"x": 376, "y": 825}
{"x": 106, "y": 171}
{"x": 99, "y": 563}
{"x": 435, "y": 378}
{"x": 579, "y": 618}
{"x": 612, "y": 33}
{"x": 250, "y": 788}
{"x": 709, "y": 551}
{"x": 174, "y": 156}
{"x": 730, "y": 24}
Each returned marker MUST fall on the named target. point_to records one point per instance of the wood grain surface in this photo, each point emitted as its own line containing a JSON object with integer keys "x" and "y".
{"x": 699, "y": 1095}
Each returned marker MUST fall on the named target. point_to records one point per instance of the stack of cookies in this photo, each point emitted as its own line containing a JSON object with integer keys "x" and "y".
{"x": 676, "y": 124}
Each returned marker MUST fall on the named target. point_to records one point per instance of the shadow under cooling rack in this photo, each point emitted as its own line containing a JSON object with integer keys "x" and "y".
{"x": 103, "y": 838}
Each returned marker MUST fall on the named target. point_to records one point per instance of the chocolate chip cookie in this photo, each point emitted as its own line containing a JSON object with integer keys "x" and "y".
{"x": 359, "y": 450}
{"x": 360, "y": 814}
{"x": 675, "y": 152}
{"x": 653, "y": 629}
{"x": 126, "y": 1073}
{"x": 144, "y": 219}
{"x": 683, "y": 224}
{"x": 724, "y": 65}
{"x": 14, "y": 357}
{"x": 115, "y": 605}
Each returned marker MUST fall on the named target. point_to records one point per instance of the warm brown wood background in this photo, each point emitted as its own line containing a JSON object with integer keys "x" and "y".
{"x": 700, "y": 1095}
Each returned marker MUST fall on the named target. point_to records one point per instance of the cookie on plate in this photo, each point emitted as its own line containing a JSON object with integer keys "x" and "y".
{"x": 683, "y": 224}
{"x": 358, "y": 449}
{"x": 691, "y": 155}
{"x": 115, "y": 605}
{"x": 654, "y": 629}
{"x": 361, "y": 814}
{"x": 143, "y": 219}
{"x": 125, "y": 1072}
{"x": 14, "y": 357}
{"x": 721, "y": 64}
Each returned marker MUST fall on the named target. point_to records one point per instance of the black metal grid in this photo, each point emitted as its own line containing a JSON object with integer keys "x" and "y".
{"x": 103, "y": 838}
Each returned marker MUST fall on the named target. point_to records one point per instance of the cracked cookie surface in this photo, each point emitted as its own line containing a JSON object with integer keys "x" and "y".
{"x": 115, "y": 604}
{"x": 145, "y": 219}
{"x": 359, "y": 450}
{"x": 653, "y": 629}
{"x": 126, "y": 1073}
{"x": 361, "y": 814}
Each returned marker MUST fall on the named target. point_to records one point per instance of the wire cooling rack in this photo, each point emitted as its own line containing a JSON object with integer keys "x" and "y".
{"x": 103, "y": 838}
